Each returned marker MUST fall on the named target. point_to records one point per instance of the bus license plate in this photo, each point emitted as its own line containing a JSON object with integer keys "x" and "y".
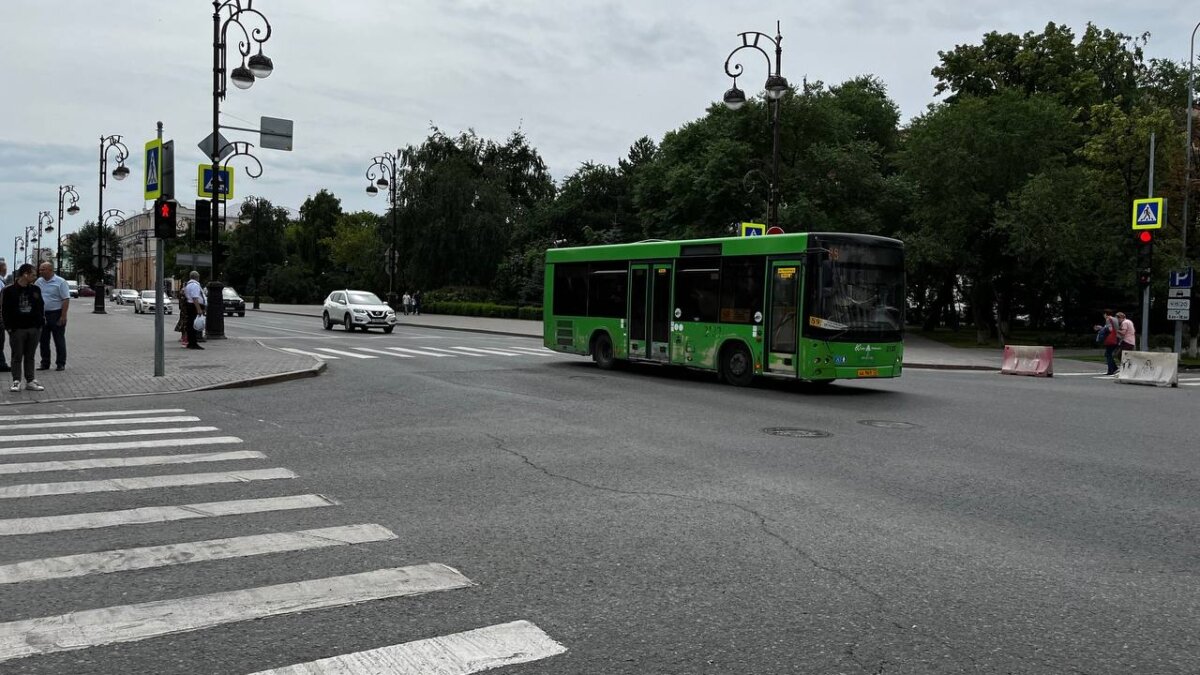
{"x": 868, "y": 372}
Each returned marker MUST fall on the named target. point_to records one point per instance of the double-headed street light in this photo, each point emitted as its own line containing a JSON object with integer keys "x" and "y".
{"x": 45, "y": 224}
{"x": 17, "y": 246}
{"x": 776, "y": 86}
{"x": 257, "y": 66}
{"x": 65, "y": 191}
{"x": 30, "y": 229}
{"x": 382, "y": 173}
{"x": 107, "y": 143}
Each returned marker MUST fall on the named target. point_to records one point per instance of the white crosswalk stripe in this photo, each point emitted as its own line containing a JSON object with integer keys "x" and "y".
{"x": 497, "y": 352}
{"x": 158, "y": 514}
{"x": 472, "y": 651}
{"x": 101, "y": 423}
{"x": 420, "y": 352}
{"x": 77, "y": 487}
{"x": 530, "y": 350}
{"x": 120, "y": 445}
{"x": 383, "y": 353}
{"x": 340, "y": 352}
{"x": 301, "y": 352}
{"x": 63, "y": 416}
{"x": 125, "y": 462}
{"x": 130, "y": 623}
{"x": 109, "y": 433}
{"x": 125, "y": 560}
{"x": 448, "y": 352}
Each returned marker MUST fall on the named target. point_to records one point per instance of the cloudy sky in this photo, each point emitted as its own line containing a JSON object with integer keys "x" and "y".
{"x": 582, "y": 79}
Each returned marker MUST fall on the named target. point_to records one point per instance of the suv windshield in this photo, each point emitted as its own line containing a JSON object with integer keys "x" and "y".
{"x": 228, "y": 292}
{"x": 855, "y": 291}
{"x": 363, "y": 298}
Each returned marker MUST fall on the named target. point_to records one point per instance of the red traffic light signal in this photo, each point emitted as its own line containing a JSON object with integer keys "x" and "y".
{"x": 165, "y": 218}
{"x": 1145, "y": 237}
{"x": 164, "y": 210}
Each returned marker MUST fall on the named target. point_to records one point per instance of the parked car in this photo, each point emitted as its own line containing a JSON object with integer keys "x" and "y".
{"x": 73, "y": 286}
{"x": 233, "y": 302}
{"x": 87, "y": 292}
{"x": 145, "y": 301}
{"x": 361, "y": 309}
{"x": 126, "y": 296}
{"x": 113, "y": 293}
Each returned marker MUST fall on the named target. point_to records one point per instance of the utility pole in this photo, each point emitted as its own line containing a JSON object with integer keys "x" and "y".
{"x": 159, "y": 297}
{"x": 1145, "y": 342}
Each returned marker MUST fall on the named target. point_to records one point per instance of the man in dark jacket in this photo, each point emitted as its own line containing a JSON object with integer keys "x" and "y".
{"x": 24, "y": 313}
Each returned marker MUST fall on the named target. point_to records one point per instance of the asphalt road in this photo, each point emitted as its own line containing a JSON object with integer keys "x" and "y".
{"x": 649, "y": 521}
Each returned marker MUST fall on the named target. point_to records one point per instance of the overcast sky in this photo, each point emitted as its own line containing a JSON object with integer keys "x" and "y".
{"x": 582, "y": 79}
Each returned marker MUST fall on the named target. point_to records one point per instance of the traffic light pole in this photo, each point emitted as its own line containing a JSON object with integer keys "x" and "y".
{"x": 159, "y": 331}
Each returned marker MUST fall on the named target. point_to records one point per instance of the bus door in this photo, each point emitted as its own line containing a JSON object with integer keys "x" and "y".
{"x": 660, "y": 312}
{"x": 639, "y": 306}
{"x": 783, "y": 318}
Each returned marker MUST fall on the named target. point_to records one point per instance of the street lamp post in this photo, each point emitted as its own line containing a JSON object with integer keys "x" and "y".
{"x": 45, "y": 224}
{"x": 63, "y": 192}
{"x": 383, "y": 173}
{"x": 31, "y": 229}
{"x": 225, "y": 14}
{"x": 106, "y": 143}
{"x": 17, "y": 246}
{"x": 776, "y": 87}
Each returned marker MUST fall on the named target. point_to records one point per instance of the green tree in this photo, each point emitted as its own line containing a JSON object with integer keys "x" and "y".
{"x": 358, "y": 250}
{"x": 79, "y": 252}
{"x": 318, "y": 218}
{"x": 256, "y": 244}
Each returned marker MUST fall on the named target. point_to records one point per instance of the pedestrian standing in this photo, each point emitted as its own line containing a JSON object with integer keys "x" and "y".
{"x": 56, "y": 295}
{"x": 194, "y": 299}
{"x": 3, "y": 276}
{"x": 417, "y": 303}
{"x": 407, "y": 302}
{"x": 24, "y": 315}
{"x": 1127, "y": 334}
{"x": 1107, "y": 335}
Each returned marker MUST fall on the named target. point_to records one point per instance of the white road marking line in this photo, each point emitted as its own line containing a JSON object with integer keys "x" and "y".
{"x": 380, "y": 351}
{"x": 77, "y": 487}
{"x": 343, "y": 353}
{"x": 158, "y": 514}
{"x": 1190, "y": 384}
{"x": 449, "y": 352}
{"x": 124, "y": 560}
{"x": 120, "y": 445}
{"x": 63, "y": 416}
{"x": 104, "y": 423}
{"x": 1089, "y": 374}
{"x": 473, "y": 651}
{"x": 421, "y": 352}
{"x": 301, "y": 352}
{"x": 129, "y": 623}
{"x": 497, "y": 352}
{"x": 528, "y": 350}
{"x": 112, "y": 433}
{"x": 122, "y": 462}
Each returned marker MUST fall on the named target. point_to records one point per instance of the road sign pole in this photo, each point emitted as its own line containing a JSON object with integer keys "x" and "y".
{"x": 1146, "y": 291}
{"x": 160, "y": 368}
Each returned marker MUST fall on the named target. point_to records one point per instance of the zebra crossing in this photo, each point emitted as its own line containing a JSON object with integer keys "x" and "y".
{"x": 173, "y": 445}
{"x": 425, "y": 351}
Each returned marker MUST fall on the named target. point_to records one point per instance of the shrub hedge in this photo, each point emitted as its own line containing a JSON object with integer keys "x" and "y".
{"x": 484, "y": 309}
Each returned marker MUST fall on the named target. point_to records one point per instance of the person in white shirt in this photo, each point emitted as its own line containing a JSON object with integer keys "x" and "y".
{"x": 194, "y": 302}
{"x": 56, "y": 295}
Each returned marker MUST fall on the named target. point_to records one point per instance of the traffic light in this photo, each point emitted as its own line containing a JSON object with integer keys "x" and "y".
{"x": 1145, "y": 252}
{"x": 165, "y": 217}
{"x": 1143, "y": 277}
{"x": 203, "y": 220}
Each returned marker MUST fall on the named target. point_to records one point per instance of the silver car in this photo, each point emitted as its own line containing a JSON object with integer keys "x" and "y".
{"x": 145, "y": 301}
{"x": 126, "y": 296}
{"x": 357, "y": 309}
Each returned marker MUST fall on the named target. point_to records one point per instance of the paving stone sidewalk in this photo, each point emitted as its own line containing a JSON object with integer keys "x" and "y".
{"x": 111, "y": 355}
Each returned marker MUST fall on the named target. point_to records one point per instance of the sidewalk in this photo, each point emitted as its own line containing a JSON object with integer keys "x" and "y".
{"x": 111, "y": 355}
{"x": 919, "y": 352}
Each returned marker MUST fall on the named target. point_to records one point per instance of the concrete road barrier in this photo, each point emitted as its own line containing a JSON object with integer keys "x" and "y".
{"x": 1028, "y": 360}
{"x": 1153, "y": 368}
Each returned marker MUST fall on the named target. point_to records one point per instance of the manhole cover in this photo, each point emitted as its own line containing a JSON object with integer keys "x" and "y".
{"x": 889, "y": 424}
{"x": 793, "y": 432}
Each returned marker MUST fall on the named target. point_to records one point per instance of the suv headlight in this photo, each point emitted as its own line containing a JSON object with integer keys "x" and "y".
{"x": 359, "y": 311}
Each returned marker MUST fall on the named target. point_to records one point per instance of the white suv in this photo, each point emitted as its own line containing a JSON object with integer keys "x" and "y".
{"x": 145, "y": 301}
{"x": 361, "y": 309}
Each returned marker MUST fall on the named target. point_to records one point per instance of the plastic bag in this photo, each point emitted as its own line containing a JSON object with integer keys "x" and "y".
{"x": 198, "y": 324}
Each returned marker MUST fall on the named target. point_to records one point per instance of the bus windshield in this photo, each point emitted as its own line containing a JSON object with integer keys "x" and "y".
{"x": 855, "y": 292}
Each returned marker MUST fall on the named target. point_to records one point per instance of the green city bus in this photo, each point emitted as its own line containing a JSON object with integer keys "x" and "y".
{"x": 815, "y": 307}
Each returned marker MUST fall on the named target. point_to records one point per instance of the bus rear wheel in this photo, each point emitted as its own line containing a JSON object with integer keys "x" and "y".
{"x": 737, "y": 366}
{"x": 602, "y": 352}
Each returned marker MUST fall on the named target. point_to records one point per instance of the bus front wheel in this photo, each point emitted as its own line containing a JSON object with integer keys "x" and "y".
{"x": 737, "y": 365}
{"x": 602, "y": 352}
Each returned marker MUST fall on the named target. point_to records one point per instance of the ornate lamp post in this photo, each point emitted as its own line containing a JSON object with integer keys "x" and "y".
{"x": 226, "y": 14}
{"x": 65, "y": 191}
{"x": 107, "y": 143}
{"x": 776, "y": 87}
{"x": 32, "y": 229}
{"x": 45, "y": 224}
{"x": 383, "y": 173}
{"x": 17, "y": 246}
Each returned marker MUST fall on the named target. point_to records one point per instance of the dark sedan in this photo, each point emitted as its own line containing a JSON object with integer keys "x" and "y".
{"x": 234, "y": 304}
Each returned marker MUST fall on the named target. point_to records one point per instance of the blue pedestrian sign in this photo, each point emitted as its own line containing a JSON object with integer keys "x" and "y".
{"x": 1182, "y": 279}
{"x": 153, "y": 164}
{"x": 204, "y": 182}
{"x": 753, "y": 229}
{"x": 1148, "y": 214}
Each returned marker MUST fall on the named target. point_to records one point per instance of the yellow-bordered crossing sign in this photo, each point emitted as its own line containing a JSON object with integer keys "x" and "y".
{"x": 753, "y": 229}
{"x": 1149, "y": 214}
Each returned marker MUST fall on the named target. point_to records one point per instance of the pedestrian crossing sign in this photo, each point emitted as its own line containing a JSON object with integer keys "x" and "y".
{"x": 1148, "y": 214}
{"x": 753, "y": 229}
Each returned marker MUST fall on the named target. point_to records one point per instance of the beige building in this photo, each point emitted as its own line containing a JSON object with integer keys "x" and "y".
{"x": 135, "y": 235}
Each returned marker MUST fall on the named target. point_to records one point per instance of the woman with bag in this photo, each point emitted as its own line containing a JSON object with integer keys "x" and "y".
{"x": 1107, "y": 335}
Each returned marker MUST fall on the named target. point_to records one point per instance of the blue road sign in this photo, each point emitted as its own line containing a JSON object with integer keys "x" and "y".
{"x": 1148, "y": 213}
{"x": 1182, "y": 278}
{"x": 753, "y": 229}
{"x": 204, "y": 182}
{"x": 153, "y": 183}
